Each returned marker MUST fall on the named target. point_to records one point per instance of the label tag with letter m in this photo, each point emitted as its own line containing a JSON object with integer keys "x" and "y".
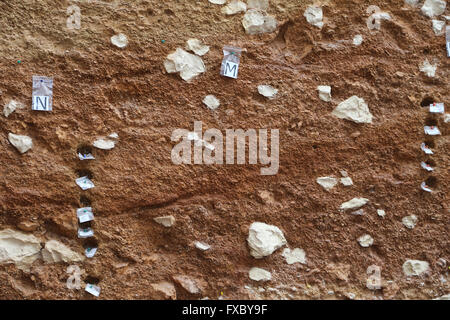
{"x": 231, "y": 69}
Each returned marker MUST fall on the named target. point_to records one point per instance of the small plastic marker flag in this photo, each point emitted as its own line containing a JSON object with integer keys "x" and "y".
{"x": 85, "y": 214}
{"x": 425, "y": 149}
{"x": 432, "y": 130}
{"x": 85, "y": 233}
{"x": 85, "y": 183}
{"x": 437, "y": 108}
{"x": 93, "y": 289}
{"x": 425, "y": 187}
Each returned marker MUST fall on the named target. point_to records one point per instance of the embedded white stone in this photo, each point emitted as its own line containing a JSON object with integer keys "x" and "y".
{"x": 355, "y": 203}
{"x": 354, "y": 109}
{"x": 218, "y": 1}
{"x": 114, "y": 135}
{"x": 56, "y": 251}
{"x": 197, "y": 47}
{"x": 347, "y": 181}
{"x": 258, "y": 274}
{"x": 120, "y": 40}
{"x": 314, "y": 16}
{"x": 166, "y": 221}
{"x": 447, "y": 118}
{"x": 22, "y": 143}
{"x": 267, "y": 91}
{"x": 256, "y": 21}
{"x": 357, "y": 40}
{"x": 433, "y": 8}
{"x": 413, "y": 3}
{"x": 211, "y": 102}
{"x": 294, "y": 256}
{"x": 104, "y": 144}
{"x": 410, "y": 221}
{"x": 381, "y": 212}
{"x": 264, "y": 239}
{"x": 428, "y": 69}
{"x": 365, "y": 241}
{"x": 19, "y": 248}
{"x": 438, "y": 27}
{"x": 415, "y": 267}
{"x": 327, "y": 183}
{"x": 324, "y": 93}
{"x": 234, "y": 7}
{"x": 258, "y": 4}
{"x": 202, "y": 246}
{"x": 188, "y": 65}
{"x": 444, "y": 297}
{"x": 11, "y": 107}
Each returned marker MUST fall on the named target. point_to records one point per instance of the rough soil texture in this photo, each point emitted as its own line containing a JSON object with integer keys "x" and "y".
{"x": 100, "y": 89}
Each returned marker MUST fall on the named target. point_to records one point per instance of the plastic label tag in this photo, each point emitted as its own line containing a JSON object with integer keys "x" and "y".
{"x": 425, "y": 149}
{"x": 93, "y": 289}
{"x": 42, "y": 93}
{"x": 425, "y": 187}
{"x": 85, "y": 214}
{"x": 90, "y": 252}
{"x": 437, "y": 108}
{"x": 432, "y": 130}
{"x": 426, "y": 166}
{"x": 87, "y": 156}
{"x": 85, "y": 183}
{"x": 230, "y": 62}
{"x": 85, "y": 233}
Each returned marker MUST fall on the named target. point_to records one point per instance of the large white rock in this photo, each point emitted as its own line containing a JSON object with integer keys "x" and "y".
{"x": 267, "y": 91}
{"x": 22, "y": 143}
{"x": 327, "y": 183}
{"x": 314, "y": 16}
{"x": 428, "y": 68}
{"x": 258, "y": 274}
{"x": 433, "y": 8}
{"x": 11, "y": 107}
{"x": 211, "y": 102}
{"x": 197, "y": 47}
{"x": 410, "y": 221}
{"x": 264, "y": 239}
{"x": 354, "y": 109}
{"x": 324, "y": 93}
{"x": 234, "y": 7}
{"x": 355, "y": 203}
{"x": 415, "y": 267}
{"x": 258, "y": 4}
{"x": 120, "y": 40}
{"x": 166, "y": 221}
{"x": 56, "y": 251}
{"x": 188, "y": 65}
{"x": 104, "y": 144}
{"x": 256, "y": 21}
{"x": 365, "y": 241}
{"x": 19, "y": 248}
{"x": 294, "y": 256}
{"x": 438, "y": 26}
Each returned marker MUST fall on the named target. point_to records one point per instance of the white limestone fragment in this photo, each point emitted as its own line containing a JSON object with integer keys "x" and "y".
{"x": 359, "y": 212}
{"x": 166, "y": 221}
{"x": 447, "y": 118}
{"x": 211, "y": 102}
{"x": 19, "y": 248}
{"x": 120, "y": 40}
{"x": 413, "y": 3}
{"x": 365, "y": 241}
{"x": 258, "y": 274}
{"x": 264, "y": 239}
{"x": 415, "y": 267}
{"x": 410, "y": 221}
{"x": 114, "y": 135}
{"x": 354, "y": 109}
{"x": 22, "y": 143}
{"x": 357, "y": 40}
{"x": 438, "y": 27}
{"x": 256, "y": 21}
{"x": 294, "y": 256}
{"x": 267, "y": 91}
{"x": 104, "y": 144}
{"x": 355, "y": 203}
{"x": 197, "y": 47}
{"x": 314, "y": 16}
{"x": 234, "y": 7}
{"x": 188, "y": 65}
{"x": 11, "y": 107}
{"x": 56, "y": 251}
{"x": 347, "y": 181}
{"x": 444, "y": 297}
{"x": 217, "y": 1}
{"x": 381, "y": 212}
{"x": 202, "y": 246}
{"x": 327, "y": 183}
{"x": 258, "y": 4}
{"x": 432, "y": 8}
{"x": 324, "y": 93}
{"x": 428, "y": 69}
